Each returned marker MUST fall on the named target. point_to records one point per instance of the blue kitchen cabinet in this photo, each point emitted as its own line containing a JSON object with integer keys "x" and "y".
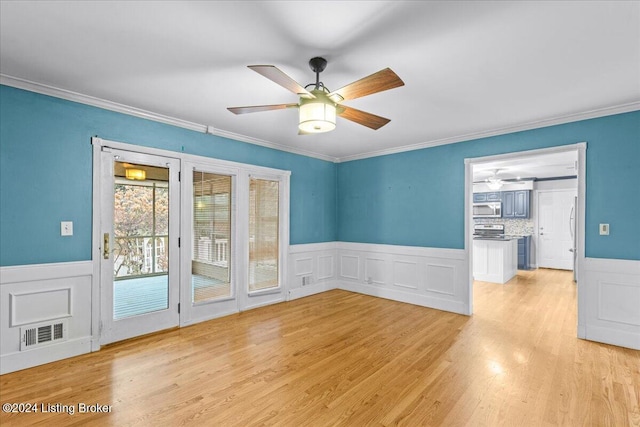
{"x": 508, "y": 204}
{"x": 524, "y": 253}
{"x": 516, "y": 204}
{"x": 521, "y": 204}
{"x": 479, "y": 197}
{"x": 487, "y": 197}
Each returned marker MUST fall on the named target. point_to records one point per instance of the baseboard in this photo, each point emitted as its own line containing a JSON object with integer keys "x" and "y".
{"x": 39, "y": 356}
{"x": 313, "y": 289}
{"x": 406, "y": 297}
{"x": 210, "y": 317}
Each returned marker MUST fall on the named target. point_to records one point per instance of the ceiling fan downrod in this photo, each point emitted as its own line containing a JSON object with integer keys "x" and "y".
{"x": 318, "y": 65}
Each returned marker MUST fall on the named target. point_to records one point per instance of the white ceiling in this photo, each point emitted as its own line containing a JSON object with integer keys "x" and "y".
{"x": 470, "y": 68}
{"x": 548, "y": 165}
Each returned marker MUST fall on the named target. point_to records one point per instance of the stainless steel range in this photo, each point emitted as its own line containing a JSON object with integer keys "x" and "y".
{"x": 488, "y": 231}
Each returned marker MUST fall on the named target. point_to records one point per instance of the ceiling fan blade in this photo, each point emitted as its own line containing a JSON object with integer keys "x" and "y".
{"x": 377, "y": 82}
{"x": 363, "y": 118}
{"x": 258, "y": 108}
{"x": 275, "y": 75}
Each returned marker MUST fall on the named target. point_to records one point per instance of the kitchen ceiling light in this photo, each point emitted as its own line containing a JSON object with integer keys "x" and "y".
{"x": 494, "y": 183}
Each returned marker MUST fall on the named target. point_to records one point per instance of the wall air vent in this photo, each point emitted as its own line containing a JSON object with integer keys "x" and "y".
{"x": 43, "y": 334}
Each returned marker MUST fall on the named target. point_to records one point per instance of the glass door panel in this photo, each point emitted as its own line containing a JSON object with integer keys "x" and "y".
{"x": 211, "y": 245}
{"x": 140, "y": 234}
{"x": 263, "y": 234}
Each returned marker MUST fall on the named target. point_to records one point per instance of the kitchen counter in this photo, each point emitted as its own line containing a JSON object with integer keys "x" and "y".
{"x": 495, "y": 260}
{"x": 502, "y": 238}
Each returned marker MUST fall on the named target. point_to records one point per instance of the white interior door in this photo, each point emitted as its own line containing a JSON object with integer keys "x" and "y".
{"x": 556, "y": 211}
{"x": 139, "y": 269}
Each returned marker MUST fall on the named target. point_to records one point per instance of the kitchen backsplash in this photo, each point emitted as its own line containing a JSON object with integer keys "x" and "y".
{"x": 516, "y": 227}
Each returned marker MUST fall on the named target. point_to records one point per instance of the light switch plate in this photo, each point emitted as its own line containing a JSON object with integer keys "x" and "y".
{"x": 604, "y": 229}
{"x": 66, "y": 228}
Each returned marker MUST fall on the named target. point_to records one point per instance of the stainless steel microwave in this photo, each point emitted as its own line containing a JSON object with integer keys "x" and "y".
{"x": 487, "y": 210}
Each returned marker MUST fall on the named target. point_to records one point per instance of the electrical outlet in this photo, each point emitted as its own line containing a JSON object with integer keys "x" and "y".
{"x": 604, "y": 229}
{"x": 369, "y": 280}
{"x": 306, "y": 280}
{"x": 66, "y": 228}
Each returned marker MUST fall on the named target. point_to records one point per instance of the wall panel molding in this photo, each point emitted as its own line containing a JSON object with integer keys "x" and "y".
{"x": 311, "y": 269}
{"x": 33, "y": 294}
{"x": 39, "y": 306}
{"x": 430, "y": 277}
{"x": 611, "y": 290}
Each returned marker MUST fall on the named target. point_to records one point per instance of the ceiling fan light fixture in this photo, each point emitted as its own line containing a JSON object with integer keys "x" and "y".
{"x": 317, "y": 115}
{"x": 494, "y": 184}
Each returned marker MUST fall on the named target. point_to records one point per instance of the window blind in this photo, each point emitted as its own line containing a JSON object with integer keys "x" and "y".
{"x": 211, "y": 251}
{"x": 263, "y": 234}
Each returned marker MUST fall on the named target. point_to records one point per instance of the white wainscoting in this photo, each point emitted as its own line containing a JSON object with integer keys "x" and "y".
{"x": 612, "y": 299}
{"x": 312, "y": 269}
{"x": 33, "y": 294}
{"x": 430, "y": 277}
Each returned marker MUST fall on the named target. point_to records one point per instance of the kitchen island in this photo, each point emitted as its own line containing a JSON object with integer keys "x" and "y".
{"x": 495, "y": 260}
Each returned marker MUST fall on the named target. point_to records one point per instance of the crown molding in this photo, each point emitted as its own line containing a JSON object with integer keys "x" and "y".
{"x": 268, "y": 144}
{"x": 137, "y": 112}
{"x": 591, "y": 114}
{"x": 125, "y": 109}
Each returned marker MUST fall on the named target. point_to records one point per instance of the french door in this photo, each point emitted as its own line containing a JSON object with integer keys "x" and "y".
{"x": 210, "y": 217}
{"x": 182, "y": 239}
{"x": 232, "y": 251}
{"x": 139, "y": 271}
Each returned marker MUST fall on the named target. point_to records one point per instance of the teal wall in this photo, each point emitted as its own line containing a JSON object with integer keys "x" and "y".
{"x": 416, "y": 198}
{"x": 46, "y": 174}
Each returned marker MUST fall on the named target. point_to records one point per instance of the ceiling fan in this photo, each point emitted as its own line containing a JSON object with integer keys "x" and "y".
{"x": 318, "y": 106}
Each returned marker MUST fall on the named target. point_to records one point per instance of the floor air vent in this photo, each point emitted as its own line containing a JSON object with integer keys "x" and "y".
{"x": 43, "y": 334}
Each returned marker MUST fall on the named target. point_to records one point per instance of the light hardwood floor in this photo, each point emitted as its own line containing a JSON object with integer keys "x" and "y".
{"x": 340, "y": 358}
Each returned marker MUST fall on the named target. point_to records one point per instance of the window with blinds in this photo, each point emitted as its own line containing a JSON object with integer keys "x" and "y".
{"x": 211, "y": 256}
{"x": 263, "y": 234}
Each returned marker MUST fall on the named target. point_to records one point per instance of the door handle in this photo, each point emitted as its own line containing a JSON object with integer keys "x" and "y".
{"x": 105, "y": 246}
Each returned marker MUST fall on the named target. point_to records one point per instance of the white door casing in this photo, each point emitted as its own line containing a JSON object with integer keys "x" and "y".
{"x": 580, "y": 148}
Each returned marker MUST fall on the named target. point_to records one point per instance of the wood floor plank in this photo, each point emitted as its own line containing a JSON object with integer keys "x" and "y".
{"x": 345, "y": 359}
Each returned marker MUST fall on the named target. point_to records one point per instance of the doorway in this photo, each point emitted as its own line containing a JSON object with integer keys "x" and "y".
{"x": 579, "y": 150}
{"x": 139, "y": 271}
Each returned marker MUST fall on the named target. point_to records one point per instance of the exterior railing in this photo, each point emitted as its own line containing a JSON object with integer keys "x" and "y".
{"x": 136, "y": 256}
